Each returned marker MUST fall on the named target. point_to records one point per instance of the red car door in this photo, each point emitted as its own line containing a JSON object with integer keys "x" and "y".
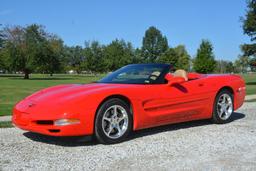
{"x": 176, "y": 103}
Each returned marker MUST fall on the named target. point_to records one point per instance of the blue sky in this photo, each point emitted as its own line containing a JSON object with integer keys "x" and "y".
{"x": 182, "y": 21}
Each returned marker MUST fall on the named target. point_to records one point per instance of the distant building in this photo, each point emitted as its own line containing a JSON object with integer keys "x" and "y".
{"x": 72, "y": 72}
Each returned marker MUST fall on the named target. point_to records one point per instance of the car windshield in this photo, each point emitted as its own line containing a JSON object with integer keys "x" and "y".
{"x": 138, "y": 74}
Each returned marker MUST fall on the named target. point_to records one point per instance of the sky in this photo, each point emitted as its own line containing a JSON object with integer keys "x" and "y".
{"x": 184, "y": 22}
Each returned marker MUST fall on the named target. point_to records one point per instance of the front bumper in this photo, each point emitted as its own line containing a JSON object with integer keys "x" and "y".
{"x": 26, "y": 122}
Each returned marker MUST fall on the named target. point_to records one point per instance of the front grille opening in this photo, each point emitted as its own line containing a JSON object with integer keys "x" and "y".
{"x": 44, "y": 122}
{"x": 54, "y": 130}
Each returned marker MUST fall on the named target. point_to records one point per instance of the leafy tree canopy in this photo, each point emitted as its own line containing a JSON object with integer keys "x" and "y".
{"x": 31, "y": 48}
{"x": 178, "y": 57}
{"x": 249, "y": 22}
{"x": 183, "y": 57}
{"x": 94, "y": 59}
{"x": 154, "y": 45}
{"x": 117, "y": 54}
{"x": 169, "y": 57}
{"x": 249, "y": 27}
{"x": 204, "y": 61}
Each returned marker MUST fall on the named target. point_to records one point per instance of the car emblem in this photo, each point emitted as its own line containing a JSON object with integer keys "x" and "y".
{"x": 31, "y": 104}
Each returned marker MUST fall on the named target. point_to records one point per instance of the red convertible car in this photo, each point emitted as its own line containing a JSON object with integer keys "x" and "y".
{"x": 134, "y": 97}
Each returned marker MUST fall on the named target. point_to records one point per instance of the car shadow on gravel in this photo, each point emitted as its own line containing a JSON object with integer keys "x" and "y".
{"x": 61, "y": 141}
{"x": 178, "y": 126}
{"x": 89, "y": 141}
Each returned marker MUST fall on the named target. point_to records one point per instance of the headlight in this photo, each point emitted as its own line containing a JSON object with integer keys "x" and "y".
{"x": 62, "y": 122}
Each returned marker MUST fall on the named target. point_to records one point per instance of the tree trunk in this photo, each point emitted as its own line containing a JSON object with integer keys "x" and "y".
{"x": 26, "y": 76}
{"x": 51, "y": 74}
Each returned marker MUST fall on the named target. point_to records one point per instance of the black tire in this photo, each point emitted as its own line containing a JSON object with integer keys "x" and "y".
{"x": 101, "y": 134}
{"x": 216, "y": 116}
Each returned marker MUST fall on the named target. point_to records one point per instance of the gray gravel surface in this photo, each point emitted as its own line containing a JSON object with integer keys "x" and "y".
{"x": 197, "y": 145}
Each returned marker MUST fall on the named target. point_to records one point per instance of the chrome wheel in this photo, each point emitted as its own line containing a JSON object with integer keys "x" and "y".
{"x": 224, "y": 106}
{"x": 115, "y": 121}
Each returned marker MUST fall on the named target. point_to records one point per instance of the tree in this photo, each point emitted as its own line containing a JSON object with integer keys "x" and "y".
{"x": 55, "y": 63}
{"x": 51, "y": 55}
{"x": 253, "y": 64}
{"x": 230, "y": 67}
{"x": 154, "y": 45}
{"x": 242, "y": 64}
{"x": 178, "y": 57}
{"x": 117, "y": 54}
{"x": 1, "y": 38}
{"x": 94, "y": 58}
{"x": 3, "y": 62}
{"x": 249, "y": 27}
{"x": 23, "y": 45}
{"x": 35, "y": 36}
{"x": 75, "y": 57}
{"x": 204, "y": 61}
{"x": 15, "y": 45}
{"x": 137, "y": 58}
{"x": 249, "y": 22}
{"x": 223, "y": 66}
{"x": 170, "y": 57}
{"x": 183, "y": 57}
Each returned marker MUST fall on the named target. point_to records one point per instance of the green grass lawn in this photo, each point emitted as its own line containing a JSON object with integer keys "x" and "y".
{"x": 13, "y": 88}
{"x": 6, "y": 124}
{"x": 250, "y": 80}
{"x": 253, "y": 100}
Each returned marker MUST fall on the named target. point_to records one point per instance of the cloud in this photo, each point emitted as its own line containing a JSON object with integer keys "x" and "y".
{"x": 6, "y": 12}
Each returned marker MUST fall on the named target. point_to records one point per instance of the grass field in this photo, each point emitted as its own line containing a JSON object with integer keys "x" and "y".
{"x": 14, "y": 88}
{"x": 6, "y": 124}
{"x": 250, "y": 80}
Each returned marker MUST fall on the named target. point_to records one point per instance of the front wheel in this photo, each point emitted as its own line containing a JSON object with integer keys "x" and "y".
{"x": 113, "y": 121}
{"x": 223, "y": 107}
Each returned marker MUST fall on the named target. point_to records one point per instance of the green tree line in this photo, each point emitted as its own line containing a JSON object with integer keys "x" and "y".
{"x": 32, "y": 49}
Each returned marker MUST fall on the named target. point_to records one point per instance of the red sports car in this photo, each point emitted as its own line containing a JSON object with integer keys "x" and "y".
{"x": 134, "y": 97}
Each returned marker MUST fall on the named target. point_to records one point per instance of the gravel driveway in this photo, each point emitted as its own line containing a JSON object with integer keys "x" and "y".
{"x": 196, "y": 145}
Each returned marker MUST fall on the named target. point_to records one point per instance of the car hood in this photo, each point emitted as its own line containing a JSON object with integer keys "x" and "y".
{"x": 64, "y": 94}
{"x": 71, "y": 91}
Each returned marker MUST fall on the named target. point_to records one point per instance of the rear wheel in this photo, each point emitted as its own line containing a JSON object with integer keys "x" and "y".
{"x": 223, "y": 107}
{"x": 113, "y": 121}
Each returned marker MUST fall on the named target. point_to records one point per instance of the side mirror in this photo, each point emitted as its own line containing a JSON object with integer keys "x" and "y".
{"x": 174, "y": 80}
